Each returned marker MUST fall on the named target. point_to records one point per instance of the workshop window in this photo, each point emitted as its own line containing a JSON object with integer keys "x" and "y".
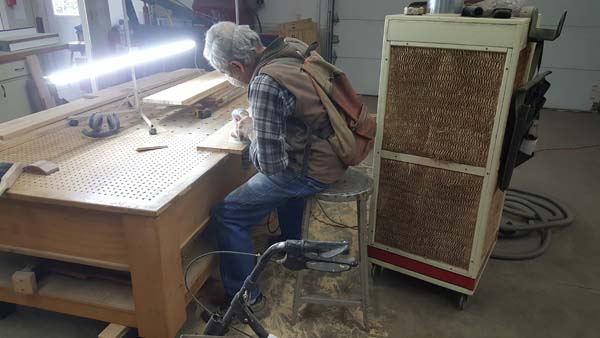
{"x": 65, "y": 7}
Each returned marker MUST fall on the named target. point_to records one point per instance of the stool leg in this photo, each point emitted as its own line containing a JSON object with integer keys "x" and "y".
{"x": 300, "y": 275}
{"x": 361, "y": 208}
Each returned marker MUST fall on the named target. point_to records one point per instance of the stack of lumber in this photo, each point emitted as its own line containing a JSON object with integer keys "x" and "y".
{"x": 15, "y": 128}
{"x": 191, "y": 91}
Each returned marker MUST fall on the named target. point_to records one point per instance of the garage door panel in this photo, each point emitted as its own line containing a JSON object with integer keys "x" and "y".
{"x": 574, "y": 50}
{"x": 581, "y": 13}
{"x": 360, "y": 39}
{"x": 369, "y": 10}
{"x": 571, "y": 89}
{"x": 363, "y": 74}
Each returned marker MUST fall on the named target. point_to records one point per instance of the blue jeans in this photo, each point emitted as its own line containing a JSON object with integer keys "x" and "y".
{"x": 249, "y": 204}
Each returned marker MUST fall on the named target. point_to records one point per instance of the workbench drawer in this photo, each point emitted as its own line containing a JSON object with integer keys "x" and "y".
{"x": 13, "y": 69}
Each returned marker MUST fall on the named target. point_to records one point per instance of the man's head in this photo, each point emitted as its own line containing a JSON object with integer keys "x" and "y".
{"x": 233, "y": 50}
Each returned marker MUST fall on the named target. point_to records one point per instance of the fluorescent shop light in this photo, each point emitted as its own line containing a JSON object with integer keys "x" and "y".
{"x": 111, "y": 65}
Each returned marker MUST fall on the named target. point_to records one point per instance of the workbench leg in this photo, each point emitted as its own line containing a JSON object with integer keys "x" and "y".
{"x": 156, "y": 276}
{"x": 6, "y": 309}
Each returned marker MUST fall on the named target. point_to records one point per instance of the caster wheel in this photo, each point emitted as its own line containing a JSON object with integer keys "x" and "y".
{"x": 376, "y": 270}
{"x": 152, "y": 131}
{"x": 463, "y": 301}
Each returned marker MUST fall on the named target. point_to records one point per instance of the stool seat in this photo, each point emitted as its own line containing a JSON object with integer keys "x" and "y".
{"x": 352, "y": 186}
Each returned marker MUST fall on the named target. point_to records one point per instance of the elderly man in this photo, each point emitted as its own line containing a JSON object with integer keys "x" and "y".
{"x": 284, "y": 106}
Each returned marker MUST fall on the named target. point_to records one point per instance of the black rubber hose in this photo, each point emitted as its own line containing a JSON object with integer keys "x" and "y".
{"x": 541, "y": 214}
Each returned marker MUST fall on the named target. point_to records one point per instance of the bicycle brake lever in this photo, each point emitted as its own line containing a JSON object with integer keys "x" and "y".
{"x": 327, "y": 267}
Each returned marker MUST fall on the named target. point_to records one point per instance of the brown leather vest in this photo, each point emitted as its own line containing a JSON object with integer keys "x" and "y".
{"x": 282, "y": 61}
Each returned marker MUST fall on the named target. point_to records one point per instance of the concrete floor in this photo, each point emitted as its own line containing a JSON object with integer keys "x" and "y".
{"x": 556, "y": 295}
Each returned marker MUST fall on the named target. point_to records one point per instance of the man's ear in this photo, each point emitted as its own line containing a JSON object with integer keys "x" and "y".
{"x": 238, "y": 66}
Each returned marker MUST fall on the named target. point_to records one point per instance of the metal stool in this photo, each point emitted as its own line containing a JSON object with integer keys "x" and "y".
{"x": 354, "y": 186}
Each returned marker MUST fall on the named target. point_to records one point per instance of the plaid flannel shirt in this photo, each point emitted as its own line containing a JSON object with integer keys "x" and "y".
{"x": 271, "y": 105}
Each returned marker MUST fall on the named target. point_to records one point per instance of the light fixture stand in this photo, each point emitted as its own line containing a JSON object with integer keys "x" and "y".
{"x": 138, "y": 106}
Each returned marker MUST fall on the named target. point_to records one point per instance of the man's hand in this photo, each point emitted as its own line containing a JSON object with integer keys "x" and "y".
{"x": 244, "y": 125}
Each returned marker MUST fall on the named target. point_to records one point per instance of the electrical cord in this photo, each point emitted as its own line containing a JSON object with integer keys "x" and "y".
{"x": 541, "y": 214}
{"x": 196, "y": 259}
{"x": 570, "y": 148}
{"x": 331, "y": 222}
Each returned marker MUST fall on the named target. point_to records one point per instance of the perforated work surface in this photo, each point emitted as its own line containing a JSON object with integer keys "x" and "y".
{"x": 441, "y": 103}
{"x": 110, "y": 171}
{"x": 427, "y": 211}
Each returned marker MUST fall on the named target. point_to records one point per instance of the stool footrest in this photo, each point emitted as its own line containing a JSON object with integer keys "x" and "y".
{"x": 327, "y": 301}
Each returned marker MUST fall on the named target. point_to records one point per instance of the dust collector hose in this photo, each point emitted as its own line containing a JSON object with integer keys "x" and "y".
{"x": 541, "y": 214}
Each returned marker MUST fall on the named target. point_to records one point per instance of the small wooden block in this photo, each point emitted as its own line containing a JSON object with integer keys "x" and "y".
{"x": 24, "y": 282}
{"x": 220, "y": 141}
{"x": 114, "y": 331}
{"x": 42, "y": 167}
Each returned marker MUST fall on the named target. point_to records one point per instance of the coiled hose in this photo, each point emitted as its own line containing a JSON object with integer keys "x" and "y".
{"x": 539, "y": 214}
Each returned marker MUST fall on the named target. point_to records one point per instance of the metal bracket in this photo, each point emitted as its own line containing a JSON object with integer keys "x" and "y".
{"x": 537, "y": 34}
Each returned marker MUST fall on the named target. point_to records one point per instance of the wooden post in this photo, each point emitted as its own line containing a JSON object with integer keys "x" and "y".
{"x": 35, "y": 69}
{"x": 114, "y": 331}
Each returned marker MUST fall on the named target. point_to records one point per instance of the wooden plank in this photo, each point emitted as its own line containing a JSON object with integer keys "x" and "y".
{"x": 14, "y": 128}
{"x": 190, "y": 91}
{"x": 221, "y": 141}
{"x": 10, "y": 177}
{"x": 114, "y": 331}
{"x": 35, "y": 69}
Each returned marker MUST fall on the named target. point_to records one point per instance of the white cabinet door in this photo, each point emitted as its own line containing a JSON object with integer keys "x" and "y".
{"x": 14, "y": 101}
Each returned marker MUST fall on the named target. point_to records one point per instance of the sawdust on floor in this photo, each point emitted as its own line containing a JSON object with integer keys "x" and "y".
{"x": 314, "y": 321}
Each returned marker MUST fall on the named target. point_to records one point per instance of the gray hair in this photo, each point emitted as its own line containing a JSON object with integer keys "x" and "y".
{"x": 227, "y": 42}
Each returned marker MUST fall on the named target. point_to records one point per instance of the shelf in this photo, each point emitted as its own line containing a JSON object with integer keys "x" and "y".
{"x": 91, "y": 298}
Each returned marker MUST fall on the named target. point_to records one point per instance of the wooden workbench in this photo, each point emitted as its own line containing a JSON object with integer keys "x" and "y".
{"x": 112, "y": 207}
